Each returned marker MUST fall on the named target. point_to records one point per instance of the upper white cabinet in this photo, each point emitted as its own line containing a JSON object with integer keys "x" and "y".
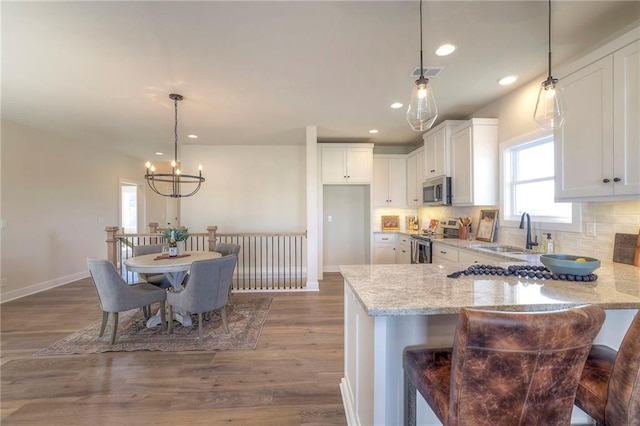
{"x": 415, "y": 177}
{"x": 436, "y": 149}
{"x": 474, "y": 163}
{"x": 346, "y": 163}
{"x": 597, "y": 151}
{"x": 389, "y": 186}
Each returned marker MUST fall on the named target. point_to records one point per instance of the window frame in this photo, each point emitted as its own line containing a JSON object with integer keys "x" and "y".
{"x": 507, "y": 219}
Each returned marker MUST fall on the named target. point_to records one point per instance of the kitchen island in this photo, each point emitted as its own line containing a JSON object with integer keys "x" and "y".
{"x": 390, "y": 307}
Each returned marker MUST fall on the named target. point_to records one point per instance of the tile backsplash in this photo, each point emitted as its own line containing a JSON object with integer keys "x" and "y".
{"x": 609, "y": 218}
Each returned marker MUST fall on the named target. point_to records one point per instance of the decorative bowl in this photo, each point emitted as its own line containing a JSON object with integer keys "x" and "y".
{"x": 566, "y": 264}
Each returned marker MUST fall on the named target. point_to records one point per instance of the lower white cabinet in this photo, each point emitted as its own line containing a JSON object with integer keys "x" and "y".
{"x": 442, "y": 253}
{"x": 384, "y": 248}
{"x": 470, "y": 257}
{"x": 403, "y": 249}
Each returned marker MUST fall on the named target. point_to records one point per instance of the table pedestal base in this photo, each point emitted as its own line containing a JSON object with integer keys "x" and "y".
{"x": 182, "y": 317}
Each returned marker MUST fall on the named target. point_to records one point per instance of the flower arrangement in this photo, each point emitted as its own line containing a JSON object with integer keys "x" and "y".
{"x": 181, "y": 233}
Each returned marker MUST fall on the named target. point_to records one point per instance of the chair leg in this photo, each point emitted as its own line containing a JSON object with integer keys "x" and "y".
{"x": 105, "y": 318}
{"x": 200, "y": 326}
{"x": 115, "y": 328}
{"x": 170, "y": 319}
{"x": 410, "y": 402}
{"x": 163, "y": 316}
{"x": 230, "y": 297}
{"x": 223, "y": 314}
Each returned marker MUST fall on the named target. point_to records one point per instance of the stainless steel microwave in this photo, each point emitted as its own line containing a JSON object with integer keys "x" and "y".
{"x": 437, "y": 192}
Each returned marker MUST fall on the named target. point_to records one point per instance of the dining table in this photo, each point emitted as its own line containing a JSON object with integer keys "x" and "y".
{"x": 175, "y": 269}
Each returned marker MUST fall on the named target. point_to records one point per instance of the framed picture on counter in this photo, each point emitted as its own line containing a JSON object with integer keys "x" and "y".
{"x": 390, "y": 223}
{"x": 487, "y": 225}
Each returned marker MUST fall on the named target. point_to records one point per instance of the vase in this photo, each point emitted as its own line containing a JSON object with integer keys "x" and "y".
{"x": 181, "y": 246}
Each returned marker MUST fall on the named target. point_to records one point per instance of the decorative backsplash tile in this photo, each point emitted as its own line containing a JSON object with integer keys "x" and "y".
{"x": 609, "y": 218}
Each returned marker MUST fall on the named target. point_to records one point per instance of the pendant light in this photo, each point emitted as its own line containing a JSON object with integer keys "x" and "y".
{"x": 422, "y": 111}
{"x": 549, "y": 112}
{"x": 175, "y": 178}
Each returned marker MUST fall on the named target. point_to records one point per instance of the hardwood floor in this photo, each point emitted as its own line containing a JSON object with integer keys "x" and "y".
{"x": 291, "y": 378}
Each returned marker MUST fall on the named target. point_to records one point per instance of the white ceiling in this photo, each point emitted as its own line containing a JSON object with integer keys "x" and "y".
{"x": 259, "y": 72}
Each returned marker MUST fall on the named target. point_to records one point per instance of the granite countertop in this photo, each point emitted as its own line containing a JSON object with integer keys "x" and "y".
{"x": 424, "y": 289}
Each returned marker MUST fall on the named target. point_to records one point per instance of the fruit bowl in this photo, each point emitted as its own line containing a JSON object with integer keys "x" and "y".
{"x": 569, "y": 264}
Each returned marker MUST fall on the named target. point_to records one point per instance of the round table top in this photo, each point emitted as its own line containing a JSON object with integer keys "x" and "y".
{"x": 148, "y": 264}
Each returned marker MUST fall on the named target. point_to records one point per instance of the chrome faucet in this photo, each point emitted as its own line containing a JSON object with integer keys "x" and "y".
{"x": 530, "y": 243}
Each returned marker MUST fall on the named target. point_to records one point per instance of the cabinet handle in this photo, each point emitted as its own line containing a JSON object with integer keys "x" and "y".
{"x": 384, "y": 239}
{"x": 605, "y": 180}
{"x": 616, "y": 179}
{"x": 443, "y": 252}
{"x": 432, "y": 171}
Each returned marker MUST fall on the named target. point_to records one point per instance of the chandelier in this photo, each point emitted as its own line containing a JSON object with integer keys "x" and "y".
{"x": 175, "y": 178}
{"x": 422, "y": 111}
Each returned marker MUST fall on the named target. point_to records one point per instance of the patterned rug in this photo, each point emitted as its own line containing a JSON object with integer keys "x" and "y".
{"x": 245, "y": 319}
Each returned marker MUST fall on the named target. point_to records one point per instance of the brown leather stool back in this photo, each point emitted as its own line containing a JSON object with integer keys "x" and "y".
{"x": 507, "y": 368}
{"x": 609, "y": 389}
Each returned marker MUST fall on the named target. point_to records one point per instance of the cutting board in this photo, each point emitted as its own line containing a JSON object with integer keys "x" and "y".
{"x": 624, "y": 248}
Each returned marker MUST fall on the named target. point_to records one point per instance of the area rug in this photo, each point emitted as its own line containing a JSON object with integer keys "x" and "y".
{"x": 245, "y": 319}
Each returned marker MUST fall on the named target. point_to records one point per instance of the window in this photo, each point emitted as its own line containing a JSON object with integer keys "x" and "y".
{"x": 528, "y": 184}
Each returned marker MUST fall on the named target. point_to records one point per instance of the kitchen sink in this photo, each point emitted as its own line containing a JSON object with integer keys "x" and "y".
{"x": 500, "y": 248}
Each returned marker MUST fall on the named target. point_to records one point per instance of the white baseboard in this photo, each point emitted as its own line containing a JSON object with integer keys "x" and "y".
{"x": 37, "y": 288}
{"x": 347, "y": 402}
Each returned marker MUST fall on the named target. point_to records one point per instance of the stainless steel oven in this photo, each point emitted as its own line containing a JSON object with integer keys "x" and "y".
{"x": 420, "y": 249}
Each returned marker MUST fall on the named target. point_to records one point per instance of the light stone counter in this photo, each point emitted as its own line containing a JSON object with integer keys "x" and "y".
{"x": 390, "y": 307}
{"x": 424, "y": 289}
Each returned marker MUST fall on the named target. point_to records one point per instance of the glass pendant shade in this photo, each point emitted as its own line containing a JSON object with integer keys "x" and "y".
{"x": 549, "y": 112}
{"x": 422, "y": 111}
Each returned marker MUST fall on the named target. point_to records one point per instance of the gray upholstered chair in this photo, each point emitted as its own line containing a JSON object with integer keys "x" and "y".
{"x": 227, "y": 249}
{"x": 115, "y": 295}
{"x": 159, "y": 280}
{"x": 609, "y": 388}
{"x": 505, "y": 368}
{"x": 205, "y": 290}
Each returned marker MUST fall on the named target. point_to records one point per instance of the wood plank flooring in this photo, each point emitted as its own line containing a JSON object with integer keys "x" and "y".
{"x": 291, "y": 378}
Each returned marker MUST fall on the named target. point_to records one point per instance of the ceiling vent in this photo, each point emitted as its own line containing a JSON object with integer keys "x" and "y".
{"x": 429, "y": 72}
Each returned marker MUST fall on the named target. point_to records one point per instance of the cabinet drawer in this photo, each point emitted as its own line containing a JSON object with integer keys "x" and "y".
{"x": 442, "y": 253}
{"x": 385, "y": 238}
{"x": 404, "y": 239}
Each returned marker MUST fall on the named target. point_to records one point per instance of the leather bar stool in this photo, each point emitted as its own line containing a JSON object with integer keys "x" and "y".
{"x": 609, "y": 389}
{"x": 505, "y": 368}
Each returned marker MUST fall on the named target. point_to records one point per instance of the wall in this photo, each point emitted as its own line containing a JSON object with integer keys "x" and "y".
{"x": 247, "y": 188}
{"x": 57, "y": 197}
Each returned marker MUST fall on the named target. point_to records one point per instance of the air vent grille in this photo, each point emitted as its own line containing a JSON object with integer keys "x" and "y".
{"x": 429, "y": 72}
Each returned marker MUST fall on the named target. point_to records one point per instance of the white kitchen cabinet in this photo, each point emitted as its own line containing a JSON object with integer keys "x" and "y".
{"x": 436, "y": 149}
{"x": 389, "y": 181}
{"x": 474, "y": 163}
{"x": 442, "y": 253}
{"x": 597, "y": 151}
{"x": 471, "y": 257}
{"x": 403, "y": 249}
{"x": 384, "y": 248}
{"x": 415, "y": 177}
{"x": 346, "y": 163}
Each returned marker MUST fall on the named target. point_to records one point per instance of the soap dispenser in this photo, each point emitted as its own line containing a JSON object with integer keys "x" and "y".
{"x": 548, "y": 244}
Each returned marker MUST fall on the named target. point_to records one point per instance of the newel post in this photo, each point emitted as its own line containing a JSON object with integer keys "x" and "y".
{"x": 112, "y": 247}
{"x": 212, "y": 237}
{"x": 153, "y": 227}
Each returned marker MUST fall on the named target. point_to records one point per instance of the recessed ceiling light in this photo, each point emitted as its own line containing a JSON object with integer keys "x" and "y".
{"x": 445, "y": 49}
{"x": 193, "y": 136}
{"x": 159, "y": 153}
{"x": 396, "y": 105}
{"x": 373, "y": 131}
{"x": 505, "y": 81}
